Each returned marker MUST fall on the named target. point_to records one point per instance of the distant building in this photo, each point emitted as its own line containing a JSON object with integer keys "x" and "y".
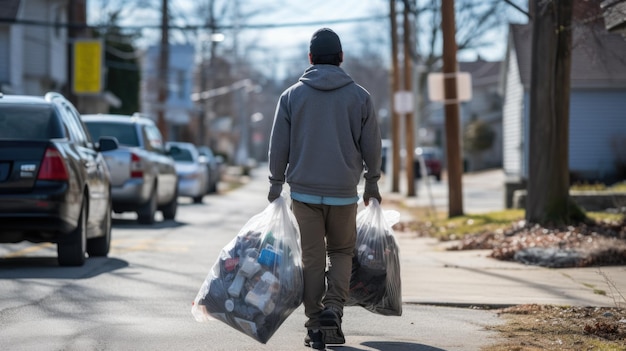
{"x": 33, "y": 59}
{"x": 597, "y": 123}
{"x": 34, "y": 52}
{"x": 180, "y": 111}
{"x": 485, "y": 105}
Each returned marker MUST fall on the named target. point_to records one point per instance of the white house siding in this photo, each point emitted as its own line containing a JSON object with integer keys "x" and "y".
{"x": 16, "y": 58}
{"x": 45, "y": 48}
{"x": 525, "y": 133}
{"x": 35, "y": 40}
{"x": 512, "y": 120}
{"x": 596, "y": 118}
{"x": 57, "y": 37}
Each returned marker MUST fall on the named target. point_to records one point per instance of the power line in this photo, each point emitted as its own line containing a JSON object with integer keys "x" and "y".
{"x": 190, "y": 27}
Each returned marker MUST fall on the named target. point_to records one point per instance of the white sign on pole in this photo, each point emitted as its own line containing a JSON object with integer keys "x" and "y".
{"x": 403, "y": 102}
{"x": 463, "y": 86}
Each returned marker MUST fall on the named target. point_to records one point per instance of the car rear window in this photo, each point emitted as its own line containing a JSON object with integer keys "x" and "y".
{"x": 182, "y": 155}
{"x": 29, "y": 122}
{"x": 125, "y": 133}
{"x": 429, "y": 156}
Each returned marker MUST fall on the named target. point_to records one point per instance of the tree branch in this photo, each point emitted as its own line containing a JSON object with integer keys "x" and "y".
{"x": 519, "y": 9}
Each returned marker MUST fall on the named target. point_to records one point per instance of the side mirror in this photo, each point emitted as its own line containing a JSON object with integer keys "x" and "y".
{"x": 107, "y": 143}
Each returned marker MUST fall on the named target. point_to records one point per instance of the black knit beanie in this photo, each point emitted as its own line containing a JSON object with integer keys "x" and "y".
{"x": 325, "y": 42}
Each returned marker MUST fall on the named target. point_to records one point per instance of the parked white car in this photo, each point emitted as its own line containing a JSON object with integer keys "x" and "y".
{"x": 192, "y": 170}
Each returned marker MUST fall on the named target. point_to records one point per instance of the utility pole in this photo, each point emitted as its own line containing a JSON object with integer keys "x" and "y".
{"x": 164, "y": 54}
{"x": 77, "y": 17}
{"x": 395, "y": 87}
{"x": 409, "y": 128}
{"x": 453, "y": 147}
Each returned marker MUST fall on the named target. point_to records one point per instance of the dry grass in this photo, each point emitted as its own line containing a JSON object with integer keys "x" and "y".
{"x": 545, "y": 327}
{"x": 541, "y": 327}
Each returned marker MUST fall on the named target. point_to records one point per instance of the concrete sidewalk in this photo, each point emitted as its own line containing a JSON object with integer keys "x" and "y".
{"x": 433, "y": 275}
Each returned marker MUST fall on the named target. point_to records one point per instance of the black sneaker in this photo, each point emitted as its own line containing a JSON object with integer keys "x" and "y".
{"x": 315, "y": 339}
{"x": 330, "y": 323}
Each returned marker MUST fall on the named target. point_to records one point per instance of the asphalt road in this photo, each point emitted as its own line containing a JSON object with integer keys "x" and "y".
{"x": 139, "y": 298}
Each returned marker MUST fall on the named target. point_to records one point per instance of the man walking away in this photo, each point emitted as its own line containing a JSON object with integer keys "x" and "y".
{"x": 325, "y": 133}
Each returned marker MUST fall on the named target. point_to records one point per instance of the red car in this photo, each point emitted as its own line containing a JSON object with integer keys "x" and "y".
{"x": 432, "y": 157}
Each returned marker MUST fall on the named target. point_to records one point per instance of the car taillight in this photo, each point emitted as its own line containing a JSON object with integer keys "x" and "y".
{"x": 136, "y": 169}
{"x": 52, "y": 166}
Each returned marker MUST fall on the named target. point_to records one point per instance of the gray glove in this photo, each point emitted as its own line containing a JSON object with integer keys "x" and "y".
{"x": 371, "y": 191}
{"x": 275, "y": 190}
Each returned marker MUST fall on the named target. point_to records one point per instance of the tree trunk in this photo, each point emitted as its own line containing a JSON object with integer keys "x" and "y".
{"x": 548, "y": 200}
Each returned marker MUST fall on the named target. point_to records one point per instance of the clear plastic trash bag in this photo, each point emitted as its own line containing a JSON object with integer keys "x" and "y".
{"x": 375, "y": 281}
{"x": 256, "y": 282}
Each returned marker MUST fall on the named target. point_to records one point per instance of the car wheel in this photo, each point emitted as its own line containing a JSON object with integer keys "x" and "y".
{"x": 213, "y": 187}
{"x": 198, "y": 199}
{"x": 169, "y": 210}
{"x": 145, "y": 215}
{"x": 71, "y": 248}
{"x": 100, "y": 246}
{"x": 438, "y": 177}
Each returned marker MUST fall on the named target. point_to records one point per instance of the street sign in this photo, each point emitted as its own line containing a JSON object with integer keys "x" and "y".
{"x": 87, "y": 67}
{"x": 463, "y": 86}
{"x": 403, "y": 102}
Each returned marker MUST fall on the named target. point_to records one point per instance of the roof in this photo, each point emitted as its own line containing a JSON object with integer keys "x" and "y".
{"x": 482, "y": 72}
{"x": 8, "y": 9}
{"x": 598, "y": 57}
{"x": 614, "y": 12}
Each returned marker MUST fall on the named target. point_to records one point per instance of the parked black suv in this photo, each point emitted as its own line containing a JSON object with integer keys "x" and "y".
{"x": 54, "y": 182}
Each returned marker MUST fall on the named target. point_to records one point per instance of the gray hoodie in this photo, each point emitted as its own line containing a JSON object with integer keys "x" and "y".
{"x": 325, "y": 131}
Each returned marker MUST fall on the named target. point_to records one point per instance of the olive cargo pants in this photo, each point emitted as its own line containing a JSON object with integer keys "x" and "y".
{"x": 325, "y": 230}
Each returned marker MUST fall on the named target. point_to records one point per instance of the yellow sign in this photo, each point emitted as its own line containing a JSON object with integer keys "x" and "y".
{"x": 87, "y": 65}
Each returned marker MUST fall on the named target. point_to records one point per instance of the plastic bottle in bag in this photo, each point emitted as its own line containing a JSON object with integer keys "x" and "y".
{"x": 239, "y": 309}
{"x": 249, "y": 268}
{"x": 263, "y": 293}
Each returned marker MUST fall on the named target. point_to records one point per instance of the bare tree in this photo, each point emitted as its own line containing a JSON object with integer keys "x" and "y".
{"x": 474, "y": 19}
{"x": 554, "y": 25}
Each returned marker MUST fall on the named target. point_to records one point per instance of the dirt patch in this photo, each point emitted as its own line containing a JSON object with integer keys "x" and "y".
{"x": 581, "y": 245}
{"x": 546, "y": 327}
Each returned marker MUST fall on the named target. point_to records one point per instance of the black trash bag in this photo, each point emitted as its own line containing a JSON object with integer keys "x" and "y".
{"x": 375, "y": 281}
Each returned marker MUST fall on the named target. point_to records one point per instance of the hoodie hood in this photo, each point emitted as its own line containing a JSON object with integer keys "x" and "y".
{"x": 325, "y": 77}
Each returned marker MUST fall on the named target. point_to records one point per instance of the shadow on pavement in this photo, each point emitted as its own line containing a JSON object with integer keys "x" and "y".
{"x": 48, "y": 268}
{"x": 388, "y": 346}
{"x": 132, "y": 223}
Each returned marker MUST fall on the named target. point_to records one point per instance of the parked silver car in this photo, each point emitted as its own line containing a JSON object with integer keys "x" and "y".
{"x": 215, "y": 164}
{"x": 192, "y": 170}
{"x": 143, "y": 176}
